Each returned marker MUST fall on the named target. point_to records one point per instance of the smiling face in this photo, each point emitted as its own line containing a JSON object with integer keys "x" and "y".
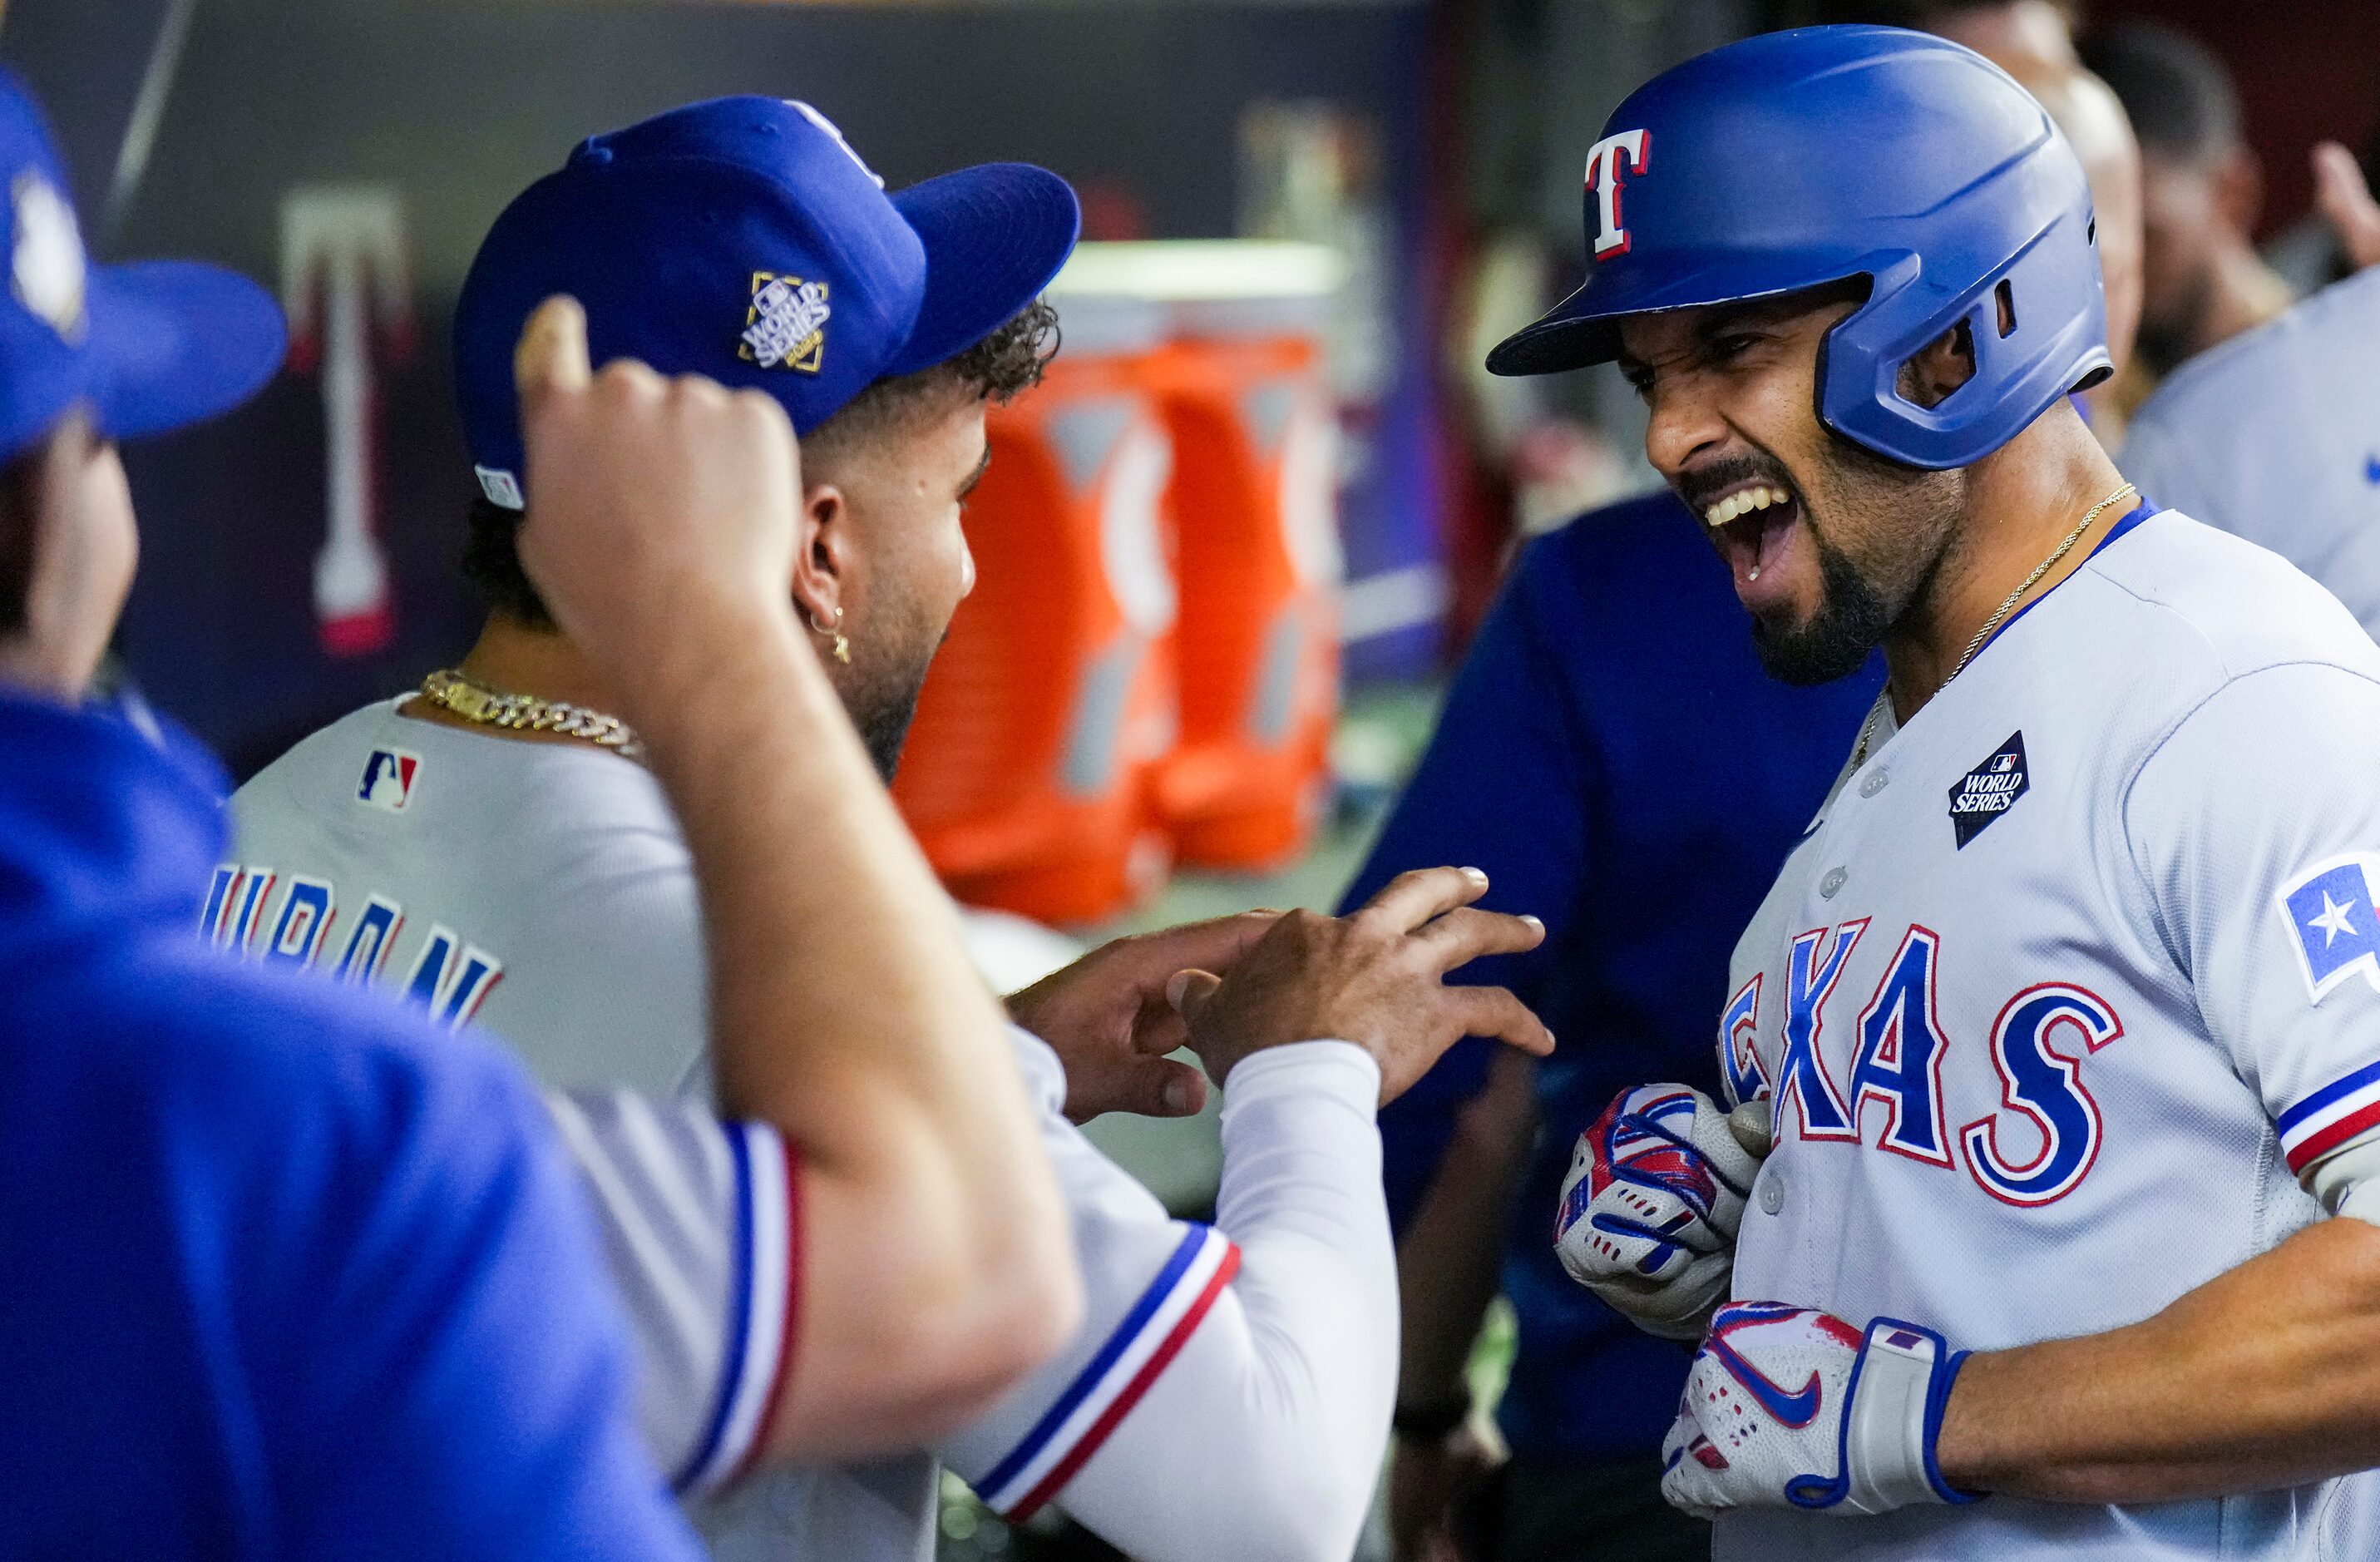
{"x": 1829, "y": 545}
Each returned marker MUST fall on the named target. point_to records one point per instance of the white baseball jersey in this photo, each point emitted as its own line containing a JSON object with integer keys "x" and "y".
{"x": 2061, "y": 987}
{"x": 2275, "y": 436}
{"x": 1226, "y": 1395}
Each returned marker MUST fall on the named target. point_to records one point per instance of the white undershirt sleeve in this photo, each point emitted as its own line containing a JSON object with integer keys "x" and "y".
{"x": 1240, "y": 1409}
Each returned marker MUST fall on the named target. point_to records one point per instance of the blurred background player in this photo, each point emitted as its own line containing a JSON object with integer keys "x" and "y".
{"x": 292, "y": 1271}
{"x": 2202, "y": 192}
{"x": 1230, "y": 1392}
{"x": 2275, "y": 435}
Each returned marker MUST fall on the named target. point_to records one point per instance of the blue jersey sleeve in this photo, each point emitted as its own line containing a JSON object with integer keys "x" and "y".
{"x": 1506, "y": 786}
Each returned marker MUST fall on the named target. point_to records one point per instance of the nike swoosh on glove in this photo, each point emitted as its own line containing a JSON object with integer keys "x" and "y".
{"x": 1650, "y": 1209}
{"x": 1788, "y": 1407}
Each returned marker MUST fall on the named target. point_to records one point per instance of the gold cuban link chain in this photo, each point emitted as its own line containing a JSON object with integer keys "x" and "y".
{"x": 449, "y": 690}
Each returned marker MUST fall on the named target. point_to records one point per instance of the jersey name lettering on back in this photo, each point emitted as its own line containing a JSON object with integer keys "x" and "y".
{"x": 449, "y": 977}
{"x": 2031, "y": 1146}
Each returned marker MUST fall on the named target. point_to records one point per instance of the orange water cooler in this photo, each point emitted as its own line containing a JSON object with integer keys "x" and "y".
{"x": 1254, "y": 505}
{"x": 1027, "y": 774}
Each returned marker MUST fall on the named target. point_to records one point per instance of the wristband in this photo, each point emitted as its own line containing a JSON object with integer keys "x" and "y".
{"x": 1433, "y": 1422}
{"x": 1892, "y": 1416}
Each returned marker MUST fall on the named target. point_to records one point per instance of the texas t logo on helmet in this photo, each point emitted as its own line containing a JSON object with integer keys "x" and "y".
{"x": 1606, "y": 163}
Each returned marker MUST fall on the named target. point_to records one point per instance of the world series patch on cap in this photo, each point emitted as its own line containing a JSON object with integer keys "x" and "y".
{"x": 146, "y": 347}
{"x": 744, "y": 239}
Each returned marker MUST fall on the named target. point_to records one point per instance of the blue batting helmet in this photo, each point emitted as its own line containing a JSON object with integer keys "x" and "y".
{"x": 1799, "y": 158}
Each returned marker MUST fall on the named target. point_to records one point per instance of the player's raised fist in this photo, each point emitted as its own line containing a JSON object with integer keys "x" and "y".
{"x": 1376, "y": 978}
{"x": 659, "y": 510}
{"x": 1654, "y": 1195}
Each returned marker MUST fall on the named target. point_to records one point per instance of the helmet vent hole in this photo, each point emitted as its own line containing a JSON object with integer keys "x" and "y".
{"x": 2091, "y": 231}
{"x": 2005, "y": 298}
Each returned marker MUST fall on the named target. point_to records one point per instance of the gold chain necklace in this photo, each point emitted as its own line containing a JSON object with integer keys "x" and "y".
{"x": 1867, "y": 731}
{"x": 450, "y": 690}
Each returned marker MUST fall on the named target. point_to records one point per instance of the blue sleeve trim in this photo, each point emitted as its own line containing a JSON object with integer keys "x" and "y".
{"x": 1184, "y": 1251}
{"x": 739, "y": 1322}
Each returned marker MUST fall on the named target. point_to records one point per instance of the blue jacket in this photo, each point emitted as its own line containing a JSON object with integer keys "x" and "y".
{"x": 1613, "y": 756}
{"x": 288, "y": 1273}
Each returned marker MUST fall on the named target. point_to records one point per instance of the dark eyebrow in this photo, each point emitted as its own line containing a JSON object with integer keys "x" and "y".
{"x": 981, "y": 466}
{"x": 1754, "y": 313}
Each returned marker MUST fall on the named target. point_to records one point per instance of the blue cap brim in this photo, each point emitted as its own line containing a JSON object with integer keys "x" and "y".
{"x": 175, "y": 342}
{"x": 994, "y": 237}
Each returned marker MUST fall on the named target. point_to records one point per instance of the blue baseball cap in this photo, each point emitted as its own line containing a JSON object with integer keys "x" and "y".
{"x": 146, "y": 348}
{"x": 743, "y": 240}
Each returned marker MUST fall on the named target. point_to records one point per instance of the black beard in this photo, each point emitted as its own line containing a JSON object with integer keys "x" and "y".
{"x": 1851, "y": 621}
{"x": 884, "y": 725}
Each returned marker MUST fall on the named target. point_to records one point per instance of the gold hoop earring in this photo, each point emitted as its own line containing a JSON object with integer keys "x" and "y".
{"x": 842, "y": 647}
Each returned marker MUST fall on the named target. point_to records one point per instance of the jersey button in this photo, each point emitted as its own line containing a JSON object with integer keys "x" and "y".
{"x": 1832, "y": 881}
{"x": 1877, "y": 781}
{"x": 1772, "y": 1191}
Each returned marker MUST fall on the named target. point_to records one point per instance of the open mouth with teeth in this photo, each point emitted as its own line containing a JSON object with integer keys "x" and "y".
{"x": 1752, "y": 526}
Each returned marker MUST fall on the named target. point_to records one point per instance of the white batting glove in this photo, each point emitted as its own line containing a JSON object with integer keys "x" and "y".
{"x": 1788, "y": 1407}
{"x": 1654, "y": 1195}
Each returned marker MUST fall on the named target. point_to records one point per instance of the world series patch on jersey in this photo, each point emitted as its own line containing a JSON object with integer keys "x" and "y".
{"x": 2046, "y": 1056}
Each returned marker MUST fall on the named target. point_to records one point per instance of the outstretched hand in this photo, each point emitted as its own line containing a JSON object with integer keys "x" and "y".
{"x": 1376, "y": 978}
{"x": 1106, "y": 1018}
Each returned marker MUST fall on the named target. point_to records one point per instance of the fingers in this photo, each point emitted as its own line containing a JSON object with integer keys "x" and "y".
{"x": 551, "y": 355}
{"x": 2345, "y": 202}
{"x": 1460, "y": 936}
{"x": 1750, "y": 1123}
{"x": 1412, "y": 898}
{"x": 1494, "y": 1011}
{"x": 1189, "y": 991}
{"x": 1157, "y": 1027}
{"x": 1176, "y": 1089}
{"x": 1214, "y": 945}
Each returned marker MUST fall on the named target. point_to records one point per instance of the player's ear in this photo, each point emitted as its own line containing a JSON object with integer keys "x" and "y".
{"x": 822, "y": 553}
{"x": 1940, "y": 367}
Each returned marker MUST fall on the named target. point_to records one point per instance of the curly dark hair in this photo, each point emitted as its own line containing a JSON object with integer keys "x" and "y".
{"x": 1004, "y": 365}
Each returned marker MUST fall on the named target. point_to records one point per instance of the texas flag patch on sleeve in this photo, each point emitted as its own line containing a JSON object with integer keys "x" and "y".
{"x": 2333, "y": 923}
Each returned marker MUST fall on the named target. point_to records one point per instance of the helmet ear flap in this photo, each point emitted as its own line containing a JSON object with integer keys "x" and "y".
{"x": 2025, "y": 358}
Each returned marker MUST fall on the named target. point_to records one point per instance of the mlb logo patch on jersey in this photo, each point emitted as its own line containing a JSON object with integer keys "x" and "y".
{"x": 388, "y": 779}
{"x": 2329, "y": 908}
{"x": 1988, "y": 790}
